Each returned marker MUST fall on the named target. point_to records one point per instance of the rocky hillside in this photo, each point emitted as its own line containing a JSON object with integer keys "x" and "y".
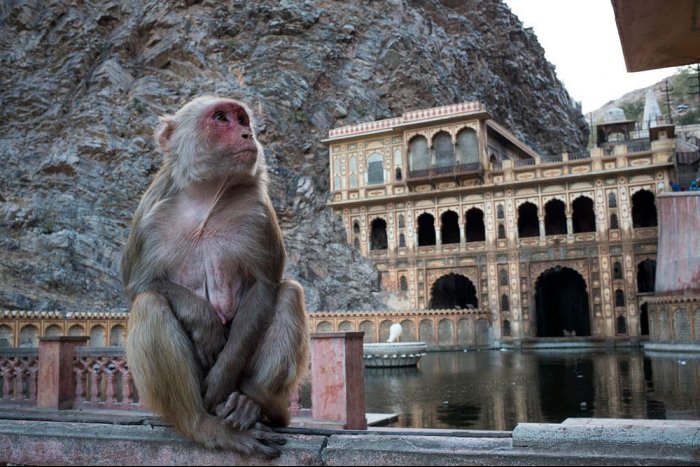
{"x": 82, "y": 85}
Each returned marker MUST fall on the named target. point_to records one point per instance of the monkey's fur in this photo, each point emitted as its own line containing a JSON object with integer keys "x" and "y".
{"x": 217, "y": 339}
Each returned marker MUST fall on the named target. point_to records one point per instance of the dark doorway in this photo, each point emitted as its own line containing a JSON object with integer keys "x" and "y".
{"x": 426, "y": 230}
{"x": 555, "y": 218}
{"x": 644, "y": 320}
{"x": 528, "y": 222}
{"x": 643, "y": 209}
{"x": 475, "y": 230}
{"x": 583, "y": 216}
{"x": 646, "y": 276}
{"x": 561, "y": 301}
{"x": 450, "y": 227}
{"x": 453, "y": 291}
{"x": 377, "y": 240}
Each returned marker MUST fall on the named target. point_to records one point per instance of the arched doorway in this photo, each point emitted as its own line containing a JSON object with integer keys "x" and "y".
{"x": 644, "y": 320}
{"x": 646, "y": 276}
{"x": 453, "y": 291}
{"x": 561, "y": 301}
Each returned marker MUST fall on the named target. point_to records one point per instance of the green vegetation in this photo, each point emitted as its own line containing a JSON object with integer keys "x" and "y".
{"x": 634, "y": 110}
{"x": 137, "y": 105}
{"x": 689, "y": 118}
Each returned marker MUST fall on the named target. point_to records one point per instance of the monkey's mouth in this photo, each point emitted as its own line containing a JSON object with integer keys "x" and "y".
{"x": 245, "y": 156}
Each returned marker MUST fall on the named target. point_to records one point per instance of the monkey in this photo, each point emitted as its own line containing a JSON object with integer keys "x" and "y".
{"x": 217, "y": 338}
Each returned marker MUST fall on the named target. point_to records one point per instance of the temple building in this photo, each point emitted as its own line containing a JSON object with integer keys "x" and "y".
{"x": 458, "y": 213}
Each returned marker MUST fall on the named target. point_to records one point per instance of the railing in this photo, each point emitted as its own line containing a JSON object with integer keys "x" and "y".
{"x": 103, "y": 380}
{"x": 551, "y": 159}
{"x": 638, "y": 146}
{"x": 577, "y": 156}
{"x": 525, "y": 162}
{"x": 496, "y": 166}
{"x": 19, "y": 369}
{"x": 456, "y": 169}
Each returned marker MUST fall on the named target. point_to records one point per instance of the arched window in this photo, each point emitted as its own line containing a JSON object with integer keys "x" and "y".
{"x": 356, "y": 227}
{"x": 528, "y": 222}
{"x": 621, "y": 325}
{"x": 444, "y": 150}
{"x": 418, "y": 156}
{"x": 503, "y": 277}
{"x": 397, "y": 158}
{"x": 612, "y": 200}
{"x": 426, "y": 229}
{"x": 397, "y": 174}
{"x": 646, "y": 276}
{"x": 583, "y": 217}
{"x": 377, "y": 239}
{"x": 506, "y": 328}
{"x": 613, "y": 222}
{"x": 449, "y": 231}
{"x": 475, "y": 229}
{"x": 505, "y": 303}
{"x": 500, "y": 213}
{"x": 353, "y": 172}
{"x": 501, "y": 232}
{"x": 467, "y": 147}
{"x": 403, "y": 283}
{"x": 337, "y": 184}
{"x": 375, "y": 169}
{"x": 617, "y": 270}
{"x": 643, "y": 209}
{"x": 402, "y": 240}
{"x": 619, "y": 298}
{"x": 555, "y": 218}
{"x": 402, "y": 221}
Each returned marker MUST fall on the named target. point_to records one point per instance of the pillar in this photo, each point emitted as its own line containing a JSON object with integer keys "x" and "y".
{"x": 56, "y": 378}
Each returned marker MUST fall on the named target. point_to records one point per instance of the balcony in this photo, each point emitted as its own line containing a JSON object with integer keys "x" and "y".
{"x": 450, "y": 171}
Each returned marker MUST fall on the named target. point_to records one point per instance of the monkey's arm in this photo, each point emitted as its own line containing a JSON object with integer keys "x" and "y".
{"x": 198, "y": 319}
{"x": 247, "y": 328}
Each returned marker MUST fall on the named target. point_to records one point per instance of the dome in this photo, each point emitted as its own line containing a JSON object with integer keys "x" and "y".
{"x": 614, "y": 114}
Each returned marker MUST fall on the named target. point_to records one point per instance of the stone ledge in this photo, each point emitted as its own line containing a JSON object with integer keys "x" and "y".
{"x": 574, "y": 442}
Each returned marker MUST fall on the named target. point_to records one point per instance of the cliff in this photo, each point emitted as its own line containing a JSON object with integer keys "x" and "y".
{"x": 83, "y": 84}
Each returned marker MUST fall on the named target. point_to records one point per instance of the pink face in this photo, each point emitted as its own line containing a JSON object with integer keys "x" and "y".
{"x": 226, "y": 125}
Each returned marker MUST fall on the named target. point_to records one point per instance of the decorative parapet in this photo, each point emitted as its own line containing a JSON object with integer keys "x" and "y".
{"x": 416, "y": 116}
{"x": 401, "y": 313}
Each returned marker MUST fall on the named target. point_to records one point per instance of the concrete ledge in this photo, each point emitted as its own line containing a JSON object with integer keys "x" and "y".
{"x": 668, "y": 438}
{"x": 575, "y": 442}
{"x": 659, "y": 347}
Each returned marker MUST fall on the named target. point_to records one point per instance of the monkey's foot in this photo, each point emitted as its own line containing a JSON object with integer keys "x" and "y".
{"x": 239, "y": 411}
{"x": 260, "y": 440}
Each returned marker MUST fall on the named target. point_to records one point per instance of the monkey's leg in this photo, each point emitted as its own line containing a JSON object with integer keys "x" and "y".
{"x": 277, "y": 367}
{"x": 162, "y": 360}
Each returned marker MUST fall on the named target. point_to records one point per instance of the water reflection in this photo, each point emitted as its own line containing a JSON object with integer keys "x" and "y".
{"x": 496, "y": 390}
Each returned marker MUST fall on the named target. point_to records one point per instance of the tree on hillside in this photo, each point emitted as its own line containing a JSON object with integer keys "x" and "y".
{"x": 634, "y": 110}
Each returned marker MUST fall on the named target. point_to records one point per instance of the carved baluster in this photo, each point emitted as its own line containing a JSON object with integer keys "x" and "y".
{"x": 109, "y": 375}
{"x": 95, "y": 380}
{"x": 33, "y": 377}
{"x": 79, "y": 370}
{"x": 20, "y": 377}
{"x": 294, "y": 405}
{"x": 6, "y": 380}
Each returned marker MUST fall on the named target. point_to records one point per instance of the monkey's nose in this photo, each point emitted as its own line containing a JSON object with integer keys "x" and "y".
{"x": 245, "y": 135}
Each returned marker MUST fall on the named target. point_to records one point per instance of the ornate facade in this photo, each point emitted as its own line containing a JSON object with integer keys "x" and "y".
{"x": 457, "y": 212}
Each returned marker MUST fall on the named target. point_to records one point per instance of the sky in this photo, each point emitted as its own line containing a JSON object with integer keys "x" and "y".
{"x": 580, "y": 39}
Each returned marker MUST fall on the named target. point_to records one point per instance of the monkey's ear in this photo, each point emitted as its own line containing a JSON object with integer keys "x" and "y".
{"x": 164, "y": 131}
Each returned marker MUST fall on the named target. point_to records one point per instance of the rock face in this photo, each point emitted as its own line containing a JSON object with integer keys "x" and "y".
{"x": 83, "y": 86}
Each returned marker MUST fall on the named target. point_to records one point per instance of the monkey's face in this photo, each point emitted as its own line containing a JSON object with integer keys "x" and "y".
{"x": 225, "y": 127}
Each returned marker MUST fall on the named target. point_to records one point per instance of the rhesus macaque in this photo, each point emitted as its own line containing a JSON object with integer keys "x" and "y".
{"x": 217, "y": 339}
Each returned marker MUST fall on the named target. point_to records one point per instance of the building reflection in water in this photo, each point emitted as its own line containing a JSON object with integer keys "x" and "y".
{"x": 497, "y": 390}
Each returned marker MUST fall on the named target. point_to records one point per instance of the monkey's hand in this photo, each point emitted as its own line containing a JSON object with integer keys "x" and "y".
{"x": 239, "y": 411}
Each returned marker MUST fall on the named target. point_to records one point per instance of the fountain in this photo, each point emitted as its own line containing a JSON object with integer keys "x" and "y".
{"x": 393, "y": 353}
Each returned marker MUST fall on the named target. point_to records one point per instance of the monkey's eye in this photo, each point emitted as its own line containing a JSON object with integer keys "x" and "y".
{"x": 220, "y": 117}
{"x": 242, "y": 120}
